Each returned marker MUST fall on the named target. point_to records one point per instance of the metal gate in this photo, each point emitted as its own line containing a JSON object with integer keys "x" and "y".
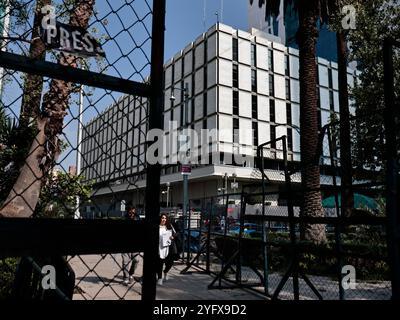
{"x": 81, "y": 83}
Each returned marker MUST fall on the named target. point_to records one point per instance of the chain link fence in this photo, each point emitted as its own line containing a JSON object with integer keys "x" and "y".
{"x": 75, "y": 107}
{"x": 260, "y": 239}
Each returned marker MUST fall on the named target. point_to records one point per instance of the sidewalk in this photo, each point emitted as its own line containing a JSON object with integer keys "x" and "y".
{"x": 193, "y": 285}
{"x": 100, "y": 278}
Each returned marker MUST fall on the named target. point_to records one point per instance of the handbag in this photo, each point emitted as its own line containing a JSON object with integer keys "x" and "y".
{"x": 173, "y": 248}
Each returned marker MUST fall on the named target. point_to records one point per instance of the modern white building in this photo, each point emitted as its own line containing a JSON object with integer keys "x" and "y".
{"x": 243, "y": 84}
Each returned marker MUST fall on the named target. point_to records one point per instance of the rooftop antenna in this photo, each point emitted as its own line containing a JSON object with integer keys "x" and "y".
{"x": 222, "y": 11}
{"x": 204, "y": 15}
{"x": 216, "y": 13}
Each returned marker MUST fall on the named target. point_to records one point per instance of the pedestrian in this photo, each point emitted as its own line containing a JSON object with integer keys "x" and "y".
{"x": 167, "y": 234}
{"x": 129, "y": 260}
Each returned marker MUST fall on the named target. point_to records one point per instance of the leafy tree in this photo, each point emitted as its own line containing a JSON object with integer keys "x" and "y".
{"x": 309, "y": 13}
{"x": 7, "y": 274}
{"x": 13, "y": 151}
{"x": 48, "y": 121}
{"x": 376, "y": 20}
{"x": 58, "y": 198}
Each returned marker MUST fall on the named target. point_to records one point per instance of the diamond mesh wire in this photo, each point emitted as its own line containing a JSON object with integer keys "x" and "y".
{"x": 90, "y": 162}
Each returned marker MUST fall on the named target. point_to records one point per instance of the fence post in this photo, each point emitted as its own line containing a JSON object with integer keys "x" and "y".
{"x": 209, "y": 235}
{"x": 264, "y": 229}
{"x": 340, "y": 215}
{"x": 392, "y": 168}
{"x": 152, "y": 197}
{"x": 292, "y": 225}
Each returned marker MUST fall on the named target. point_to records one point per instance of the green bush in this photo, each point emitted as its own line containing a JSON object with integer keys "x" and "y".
{"x": 7, "y": 272}
{"x": 363, "y": 246}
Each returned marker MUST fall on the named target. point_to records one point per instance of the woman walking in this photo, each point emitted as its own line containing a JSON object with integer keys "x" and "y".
{"x": 167, "y": 234}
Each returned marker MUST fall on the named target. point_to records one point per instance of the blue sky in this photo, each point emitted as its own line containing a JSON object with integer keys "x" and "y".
{"x": 185, "y": 20}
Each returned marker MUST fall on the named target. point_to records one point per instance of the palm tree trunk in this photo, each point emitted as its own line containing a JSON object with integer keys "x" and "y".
{"x": 345, "y": 142}
{"x": 33, "y": 86}
{"x": 22, "y": 200}
{"x": 310, "y": 174}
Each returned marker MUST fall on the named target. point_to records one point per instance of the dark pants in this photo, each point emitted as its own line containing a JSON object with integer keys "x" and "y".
{"x": 168, "y": 265}
{"x": 129, "y": 258}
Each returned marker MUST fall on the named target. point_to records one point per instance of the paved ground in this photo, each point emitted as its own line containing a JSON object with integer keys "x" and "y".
{"x": 100, "y": 277}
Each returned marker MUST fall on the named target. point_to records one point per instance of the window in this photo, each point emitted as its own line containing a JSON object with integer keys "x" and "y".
{"x": 330, "y": 78}
{"x": 163, "y": 79}
{"x": 290, "y": 139}
{"x": 288, "y": 114}
{"x": 271, "y": 110}
{"x": 205, "y": 51}
{"x": 171, "y": 101}
{"x": 235, "y": 130}
{"x": 205, "y": 104}
{"x": 222, "y": 158}
{"x": 331, "y": 104}
{"x": 235, "y": 49}
{"x": 253, "y": 80}
{"x": 253, "y": 55}
{"x": 319, "y": 119}
{"x": 205, "y": 84}
{"x": 287, "y": 72}
{"x": 273, "y": 137}
{"x": 271, "y": 85}
{"x": 254, "y": 107}
{"x": 270, "y": 60}
{"x": 192, "y": 111}
{"x": 183, "y": 66}
{"x": 235, "y": 99}
{"x": 287, "y": 87}
{"x": 182, "y": 113}
{"x": 255, "y": 133}
{"x": 235, "y": 76}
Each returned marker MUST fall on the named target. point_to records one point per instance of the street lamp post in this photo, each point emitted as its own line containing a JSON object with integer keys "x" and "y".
{"x": 234, "y": 185}
{"x": 225, "y": 177}
{"x": 77, "y": 214}
{"x": 185, "y": 174}
{"x": 168, "y": 194}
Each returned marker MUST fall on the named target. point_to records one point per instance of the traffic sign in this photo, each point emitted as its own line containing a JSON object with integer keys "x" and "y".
{"x": 186, "y": 169}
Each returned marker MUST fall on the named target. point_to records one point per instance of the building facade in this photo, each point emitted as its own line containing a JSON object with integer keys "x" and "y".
{"x": 242, "y": 87}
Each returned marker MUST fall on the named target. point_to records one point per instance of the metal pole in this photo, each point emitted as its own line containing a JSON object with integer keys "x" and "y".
{"x": 152, "y": 196}
{"x": 291, "y": 221}
{"x": 4, "y": 33}
{"x": 226, "y": 183}
{"x": 167, "y": 194}
{"x": 79, "y": 148}
{"x": 392, "y": 168}
{"x": 340, "y": 214}
{"x": 264, "y": 229}
{"x": 185, "y": 176}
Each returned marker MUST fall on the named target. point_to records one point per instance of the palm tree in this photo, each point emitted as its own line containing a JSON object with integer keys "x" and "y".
{"x": 309, "y": 12}
{"x": 23, "y": 198}
{"x": 33, "y": 84}
{"x": 345, "y": 144}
